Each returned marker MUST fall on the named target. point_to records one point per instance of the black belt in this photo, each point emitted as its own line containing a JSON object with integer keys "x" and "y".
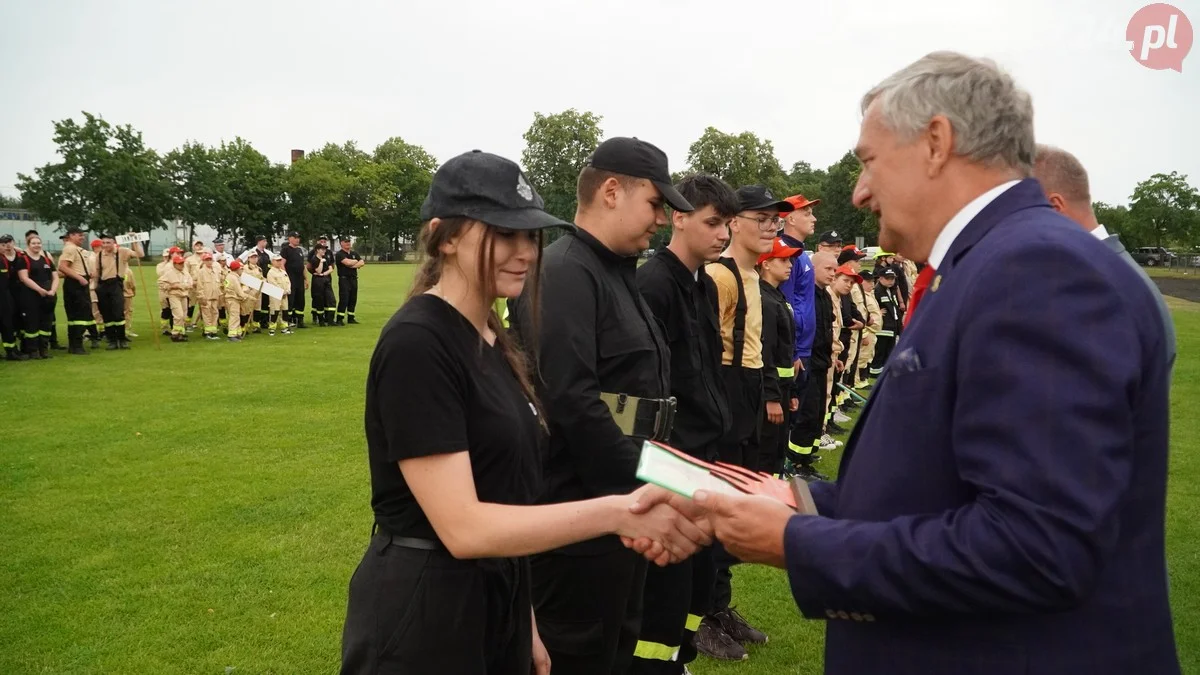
{"x": 651, "y": 418}
{"x": 409, "y": 542}
{"x": 118, "y": 279}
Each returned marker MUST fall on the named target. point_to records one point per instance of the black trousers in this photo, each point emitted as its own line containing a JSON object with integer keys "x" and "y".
{"x": 589, "y": 608}
{"x": 883, "y": 349}
{"x": 414, "y": 611}
{"x": 675, "y": 600}
{"x": 77, "y": 301}
{"x": 744, "y": 387}
{"x": 347, "y": 297}
{"x": 323, "y": 307}
{"x": 110, "y": 296}
{"x": 39, "y": 319}
{"x": 810, "y": 418}
{"x": 295, "y": 310}
{"x": 772, "y": 443}
{"x": 8, "y": 329}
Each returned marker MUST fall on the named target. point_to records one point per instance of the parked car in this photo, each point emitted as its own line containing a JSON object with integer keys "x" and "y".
{"x": 1152, "y": 256}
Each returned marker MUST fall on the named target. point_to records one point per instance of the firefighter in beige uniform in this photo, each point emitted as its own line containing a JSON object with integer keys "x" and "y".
{"x": 178, "y": 285}
{"x": 276, "y": 275}
{"x": 836, "y": 352}
{"x": 129, "y": 291}
{"x": 192, "y": 263}
{"x": 251, "y": 305}
{"x": 98, "y": 319}
{"x": 208, "y": 293}
{"x": 164, "y": 303}
{"x": 874, "y": 316}
{"x": 234, "y": 294}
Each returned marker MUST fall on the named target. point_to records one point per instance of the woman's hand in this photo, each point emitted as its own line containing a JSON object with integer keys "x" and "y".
{"x": 541, "y": 657}
{"x": 662, "y": 524}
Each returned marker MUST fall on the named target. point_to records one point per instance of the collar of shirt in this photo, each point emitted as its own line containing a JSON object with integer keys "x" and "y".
{"x": 792, "y": 241}
{"x": 605, "y": 254}
{"x": 941, "y": 245}
{"x": 683, "y": 276}
{"x": 1100, "y": 232}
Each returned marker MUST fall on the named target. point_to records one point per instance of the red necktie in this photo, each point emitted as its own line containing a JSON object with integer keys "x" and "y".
{"x": 919, "y": 287}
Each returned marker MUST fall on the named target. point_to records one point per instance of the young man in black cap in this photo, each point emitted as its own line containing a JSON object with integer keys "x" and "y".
{"x": 347, "y": 262}
{"x": 77, "y": 299}
{"x": 741, "y": 316}
{"x": 830, "y": 242}
{"x": 889, "y": 329}
{"x": 293, "y": 263}
{"x": 683, "y": 298}
{"x": 605, "y": 382}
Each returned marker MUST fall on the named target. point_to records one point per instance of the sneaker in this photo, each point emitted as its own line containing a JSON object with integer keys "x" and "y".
{"x": 809, "y": 474}
{"x": 285, "y": 331}
{"x": 712, "y": 642}
{"x": 736, "y": 627}
{"x": 830, "y": 441}
{"x": 840, "y": 417}
{"x": 835, "y": 428}
{"x": 271, "y": 332}
{"x": 130, "y": 333}
{"x": 235, "y": 339}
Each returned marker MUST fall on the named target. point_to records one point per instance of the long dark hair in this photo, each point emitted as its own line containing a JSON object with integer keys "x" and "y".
{"x": 430, "y": 272}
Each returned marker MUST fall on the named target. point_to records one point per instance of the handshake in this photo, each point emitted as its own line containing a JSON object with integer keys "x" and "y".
{"x": 667, "y": 527}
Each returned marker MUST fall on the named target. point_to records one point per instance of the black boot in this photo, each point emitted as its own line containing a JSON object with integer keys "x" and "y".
{"x": 300, "y": 321}
{"x": 14, "y": 355}
{"x": 76, "y": 345}
{"x": 351, "y": 320}
{"x": 44, "y": 348}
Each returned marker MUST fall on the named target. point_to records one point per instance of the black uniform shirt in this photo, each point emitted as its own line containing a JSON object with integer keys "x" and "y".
{"x": 342, "y": 270}
{"x": 293, "y": 260}
{"x": 8, "y": 276}
{"x": 597, "y": 335}
{"x": 434, "y": 387}
{"x": 313, "y": 260}
{"x": 822, "y": 351}
{"x": 686, "y": 306}
{"x": 779, "y": 335}
{"x": 889, "y": 307}
{"x": 41, "y": 271}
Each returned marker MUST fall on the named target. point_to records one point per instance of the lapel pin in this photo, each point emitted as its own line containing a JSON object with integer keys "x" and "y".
{"x": 937, "y": 281}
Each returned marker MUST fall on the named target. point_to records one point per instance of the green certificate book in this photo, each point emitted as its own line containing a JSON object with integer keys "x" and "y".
{"x": 666, "y": 470}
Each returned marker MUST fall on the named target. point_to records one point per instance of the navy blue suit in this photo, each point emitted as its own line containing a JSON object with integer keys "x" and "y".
{"x": 1000, "y": 505}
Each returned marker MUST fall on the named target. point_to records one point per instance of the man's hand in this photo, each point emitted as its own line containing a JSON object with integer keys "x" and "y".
{"x": 798, "y": 365}
{"x": 306, "y": 284}
{"x": 839, "y": 366}
{"x": 794, "y": 405}
{"x": 774, "y": 412}
{"x": 650, "y": 497}
{"x": 82, "y": 281}
{"x": 750, "y": 526}
{"x": 865, "y": 341}
{"x": 857, "y": 325}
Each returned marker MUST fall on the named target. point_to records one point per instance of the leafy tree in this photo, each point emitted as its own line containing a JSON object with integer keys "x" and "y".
{"x": 7, "y": 202}
{"x": 1116, "y": 220}
{"x": 402, "y": 175}
{"x": 803, "y": 179}
{"x": 739, "y": 160}
{"x": 196, "y": 188}
{"x": 837, "y": 211}
{"x": 556, "y": 147}
{"x": 108, "y": 180}
{"x": 320, "y": 191}
{"x": 1165, "y": 209}
{"x": 251, "y": 196}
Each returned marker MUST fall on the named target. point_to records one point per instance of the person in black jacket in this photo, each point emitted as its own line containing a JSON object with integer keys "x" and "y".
{"x": 806, "y": 432}
{"x": 889, "y": 331}
{"x": 294, "y": 264}
{"x": 604, "y": 370}
{"x": 683, "y": 299}
{"x": 779, "y": 334}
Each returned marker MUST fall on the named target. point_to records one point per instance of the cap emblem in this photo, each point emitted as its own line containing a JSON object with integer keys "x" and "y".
{"x": 524, "y": 188}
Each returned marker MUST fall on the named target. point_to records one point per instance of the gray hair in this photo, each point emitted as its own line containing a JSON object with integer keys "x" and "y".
{"x": 1060, "y": 171}
{"x": 992, "y": 118}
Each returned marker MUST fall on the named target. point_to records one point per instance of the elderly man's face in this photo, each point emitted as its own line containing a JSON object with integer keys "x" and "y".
{"x": 894, "y": 183}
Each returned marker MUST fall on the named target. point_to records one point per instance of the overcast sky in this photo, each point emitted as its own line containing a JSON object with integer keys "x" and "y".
{"x": 453, "y": 76}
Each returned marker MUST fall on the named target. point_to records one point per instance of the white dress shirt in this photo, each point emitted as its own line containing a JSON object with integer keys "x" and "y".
{"x": 1100, "y": 232}
{"x": 941, "y": 245}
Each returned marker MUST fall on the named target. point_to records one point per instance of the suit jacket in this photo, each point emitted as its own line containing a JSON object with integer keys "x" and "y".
{"x": 1000, "y": 504}
{"x": 1113, "y": 242}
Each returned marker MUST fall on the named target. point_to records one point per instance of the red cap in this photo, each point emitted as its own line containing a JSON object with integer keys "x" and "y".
{"x": 235, "y": 265}
{"x": 206, "y": 256}
{"x": 178, "y": 259}
{"x": 849, "y": 271}
{"x": 778, "y": 250}
{"x": 798, "y": 201}
{"x": 96, "y": 243}
{"x": 174, "y": 249}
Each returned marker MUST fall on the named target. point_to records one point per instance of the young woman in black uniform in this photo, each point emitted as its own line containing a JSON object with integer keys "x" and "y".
{"x": 38, "y": 296}
{"x": 453, "y": 431}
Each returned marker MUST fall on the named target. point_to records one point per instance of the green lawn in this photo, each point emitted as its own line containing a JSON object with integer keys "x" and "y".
{"x": 201, "y": 506}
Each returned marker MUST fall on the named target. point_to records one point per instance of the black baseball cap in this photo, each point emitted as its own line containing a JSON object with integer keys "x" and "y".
{"x": 73, "y": 230}
{"x": 637, "y": 158}
{"x": 6, "y": 238}
{"x": 759, "y": 198}
{"x": 831, "y": 237}
{"x": 488, "y": 188}
{"x": 218, "y": 240}
{"x": 888, "y": 272}
{"x": 294, "y": 234}
{"x": 867, "y": 274}
{"x": 259, "y": 238}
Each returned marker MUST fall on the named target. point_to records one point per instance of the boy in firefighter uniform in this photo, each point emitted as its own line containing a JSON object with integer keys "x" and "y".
{"x": 874, "y": 319}
{"x": 98, "y": 320}
{"x": 779, "y": 336}
{"x": 129, "y": 291}
{"x": 177, "y": 284}
{"x": 164, "y": 303}
{"x": 280, "y": 278}
{"x": 234, "y": 294}
{"x": 889, "y": 326}
{"x": 192, "y": 263}
{"x": 208, "y": 293}
{"x": 252, "y": 315}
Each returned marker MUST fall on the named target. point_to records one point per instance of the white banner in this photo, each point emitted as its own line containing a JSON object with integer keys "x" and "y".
{"x": 272, "y": 290}
{"x": 251, "y": 282}
{"x": 126, "y": 239}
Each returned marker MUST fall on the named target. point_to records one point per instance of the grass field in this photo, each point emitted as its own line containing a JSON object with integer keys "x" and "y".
{"x": 200, "y": 507}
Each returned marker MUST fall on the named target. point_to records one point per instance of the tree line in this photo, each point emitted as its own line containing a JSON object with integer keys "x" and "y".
{"x": 107, "y": 179}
